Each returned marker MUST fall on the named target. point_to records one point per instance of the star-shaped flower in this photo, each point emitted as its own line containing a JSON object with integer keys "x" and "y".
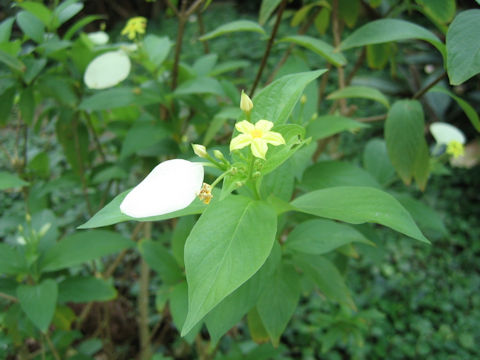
{"x": 257, "y": 136}
{"x": 135, "y": 25}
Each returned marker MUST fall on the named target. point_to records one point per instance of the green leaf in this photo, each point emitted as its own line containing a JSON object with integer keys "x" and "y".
{"x": 266, "y": 10}
{"x": 80, "y": 24}
{"x": 326, "y": 277}
{"x": 11, "y": 262}
{"x": 6, "y": 103}
{"x": 278, "y": 301}
{"x": 179, "y": 237}
{"x": 111, "y": 213}
{"x": 120, "y": 97}
{"x": 327, "y": 174}
{"x": 33, "y": 68}
{"x": 276, "y": 101}
{"x": 441, "y": 11}
{"x": 66, "y": 10}
{"x": 237, "y": 304}
{"x": 219, "y": 120}
{"x": 328, "y": 125}
{"x": 9, "y": 181}
{"x": 319, "y": 236}
{"x": 357, "y": 205}
{"x": 362, "y": 92}
{"x": 38, "y": 9}
{"x": 257, "y": 330}
{"x": 377, "y": 162}
{"x": 161, "y": 260}
{"x": 80, "y": 289}
{"x": 319, "y": 47}
{"x": 228, "y": 244}
{"x": 466, "y": 107}
{"x": 31, "y": 26}
{"x": 82, "y": 247}
{"x": 39, "y": 302}
{"x": 349, "y": 10}
{"x": 157, "y": 48}
{"x": 11, "y": 61}
{"x": 386, "y": 30}
{"x": 179, "y": 308}
{"x": 141, "y": 136}
{"x": 426, "y": 217}
{"x": 463, "y": 52}
{"x": 277, "y": 155}
{"x": 27, "y": 105}
{"x": 200, "y": 85}
{"x": 406, "y": 144}
{"x": 6, "y": 29}
{"x": 378, "y": 55}
{"x": 234, "y": 26}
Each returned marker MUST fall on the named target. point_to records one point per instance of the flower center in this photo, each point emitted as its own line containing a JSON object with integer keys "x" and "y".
{"x": 256, "y": 133}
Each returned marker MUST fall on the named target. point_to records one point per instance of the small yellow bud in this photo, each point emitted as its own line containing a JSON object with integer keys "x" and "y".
{"x": 205, "y": 193}
{"x": 256, "y": 174}
{"x": 234, "y": 170}
{"x": 218, "y": 154}
{"x": 246, "y": 103}
{"x": 200, "y": 150}
{"x": 239, "y": 183}
{"x": 303, "y": 99}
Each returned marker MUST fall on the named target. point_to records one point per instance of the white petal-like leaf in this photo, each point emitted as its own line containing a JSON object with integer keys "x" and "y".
{"x": 107, "y": 70}
{"x": 444, "y": 133}
{"x": 172, "y": 185}
{"x": 98, "y": 37}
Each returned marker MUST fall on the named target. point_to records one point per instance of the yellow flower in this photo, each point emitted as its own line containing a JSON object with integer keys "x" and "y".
{"x": 257, "y": 136}
{"x": 455, "y": 148}
{"x": 205, "y": 193}
{"x": 135, "y": 25}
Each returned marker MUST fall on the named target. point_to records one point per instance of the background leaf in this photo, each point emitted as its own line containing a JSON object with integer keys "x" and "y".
{"x": 357, "y": 205}
{"x": 78, "y": 289}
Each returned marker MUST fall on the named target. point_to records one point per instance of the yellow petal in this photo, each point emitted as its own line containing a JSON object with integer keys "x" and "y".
{"x": 240, "y": 141}
{"x": 259, "y": 148}
{"x": 263, "y": 125}
{"x": 244, "y": 127}
{"x": 273, "y": 138}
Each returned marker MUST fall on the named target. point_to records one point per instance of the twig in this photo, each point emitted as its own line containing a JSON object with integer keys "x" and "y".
{"x": 193, "y": 8}
{"x": 323, "y": 84}
{"x": 52, "y": 348}
{"x": 95, "y": 137}
{"x": 422, "y": 92}
{"x": 201, "y": 30}
{"x": 8, "y": 297}
{"x": 269, "y": 46}
{"x": 182, "y": 20}
{"x": 356, "y": 67}
{"x": 145, "y": 344}
{"x": 173, "y": 7}
{"x": 336, "y": 40}
{"x": 288, "y": 52}
{"x": 81, "y": 169}
{"x": 372, "y": 118}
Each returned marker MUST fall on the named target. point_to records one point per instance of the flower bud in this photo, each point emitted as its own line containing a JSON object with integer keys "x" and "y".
{"x": 200, "y": 150}
{"x": 218, "y": 154}
{"x": 246, "y": 103}
{"x": 233, "y": 170}
{"x": 303, "y": 99}
{"x": 239, "y": 183}
{"x": 256, "y": 174}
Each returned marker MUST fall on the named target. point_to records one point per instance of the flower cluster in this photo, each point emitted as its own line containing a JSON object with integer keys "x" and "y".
{"x": 135, "y": 25}
{"x": 174, "y": 184}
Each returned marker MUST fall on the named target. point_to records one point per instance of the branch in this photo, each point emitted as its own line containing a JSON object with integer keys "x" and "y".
{"x": 422, "y": 92}
{"x": 8, "y": 297}
{"x": 269, "y": 46}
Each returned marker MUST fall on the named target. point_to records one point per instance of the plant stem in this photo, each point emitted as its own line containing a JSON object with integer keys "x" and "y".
{"x": 182, "y": 19}
{"x": 422, "y": 92}
{"x": 8, "y": 297}
{"x": 52, "y": 347}
{"x": 269, "y": 46}
{"x": 336, "y": 40}
{"x": 201, "y": 30}
{"x": 145, "y": 345}
{"x": 81, "y": 168}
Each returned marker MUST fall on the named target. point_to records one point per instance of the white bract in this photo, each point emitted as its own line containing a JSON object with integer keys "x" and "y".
{"x": 444, "y": 133}
{"x": 172, "y": 185}
{"x": 98, "y": 37}
{"x": 107, "y": 70}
